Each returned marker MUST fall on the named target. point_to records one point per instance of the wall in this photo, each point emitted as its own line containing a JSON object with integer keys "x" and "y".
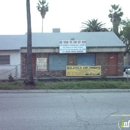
{"x": 120, "y": 64}
{"x": 100, "y": 59}
{"x": 71, "y": 58}
{"x": 13, "y": 68}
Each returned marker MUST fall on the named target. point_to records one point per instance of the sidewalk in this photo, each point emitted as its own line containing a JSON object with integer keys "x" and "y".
{"x": 66, "y": 91}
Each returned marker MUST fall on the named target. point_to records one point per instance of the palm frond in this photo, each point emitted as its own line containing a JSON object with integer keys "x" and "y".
{"x": 93, "y": 26}
{"x": 115, "y": 13}
{"x": 42, "y": 7}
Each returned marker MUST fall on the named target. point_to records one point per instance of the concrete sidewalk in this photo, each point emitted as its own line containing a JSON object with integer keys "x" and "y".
{"x": 66, "y": 91}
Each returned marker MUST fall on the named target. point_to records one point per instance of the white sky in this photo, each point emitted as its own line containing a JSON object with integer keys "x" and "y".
{"x": 67, "y": 15}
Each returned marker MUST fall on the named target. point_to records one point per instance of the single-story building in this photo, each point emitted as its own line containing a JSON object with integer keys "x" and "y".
{"x": 52, "y": 52}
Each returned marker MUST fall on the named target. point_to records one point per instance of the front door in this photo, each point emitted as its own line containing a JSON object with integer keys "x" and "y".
{"x": 112, "y": 64}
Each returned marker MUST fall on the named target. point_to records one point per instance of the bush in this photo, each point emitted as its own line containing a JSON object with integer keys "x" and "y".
{"x": 10, "y": 78}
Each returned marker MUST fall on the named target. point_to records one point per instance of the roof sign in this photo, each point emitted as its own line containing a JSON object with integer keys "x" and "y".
{"x": 72, "y": 46}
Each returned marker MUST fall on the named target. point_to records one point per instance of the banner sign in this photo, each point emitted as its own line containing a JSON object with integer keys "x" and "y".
{"x": 72, "y": 46}
{"x": 83, "y": 70}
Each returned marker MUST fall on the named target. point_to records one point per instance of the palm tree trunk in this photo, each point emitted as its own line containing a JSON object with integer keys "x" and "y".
{"x": 29, "y": 75}
{"x": 115, "y": 28}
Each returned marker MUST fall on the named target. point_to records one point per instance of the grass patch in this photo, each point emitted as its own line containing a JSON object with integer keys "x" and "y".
{"x": 70, "y": 85}
{"x": 10, "y": 85}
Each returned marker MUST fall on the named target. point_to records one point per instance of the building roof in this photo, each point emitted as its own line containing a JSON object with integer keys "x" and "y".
{"x": 93, "y": 39}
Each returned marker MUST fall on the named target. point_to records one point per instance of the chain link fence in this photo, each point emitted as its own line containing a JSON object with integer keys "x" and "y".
{"x": 13, "y": 70}
{"x": 39, "y": 72}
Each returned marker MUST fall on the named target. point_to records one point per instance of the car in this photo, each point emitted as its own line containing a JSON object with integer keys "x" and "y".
{"x": 127, "y": 71}
{"x": 126, "y": 67}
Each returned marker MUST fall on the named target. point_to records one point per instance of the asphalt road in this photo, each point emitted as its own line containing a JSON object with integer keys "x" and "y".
{"x": 63, "y": 111}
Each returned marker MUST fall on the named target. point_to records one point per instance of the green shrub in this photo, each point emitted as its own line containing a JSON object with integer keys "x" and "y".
{"x": 10, "y": 78}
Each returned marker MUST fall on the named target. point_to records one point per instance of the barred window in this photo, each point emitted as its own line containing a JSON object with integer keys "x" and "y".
{"x": 4, "y": 59}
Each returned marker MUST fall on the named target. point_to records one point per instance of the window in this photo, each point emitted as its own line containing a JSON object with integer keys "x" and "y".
{"x": 42, "y": 64}
{"x": 57, "y": 62}
{"x": 4, "y": 59}
{"x": 86, "y": 59}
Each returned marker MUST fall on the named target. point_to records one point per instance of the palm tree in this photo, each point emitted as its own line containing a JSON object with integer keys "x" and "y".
{"x": 115, "y": 17}
{"x": 125, "y": 33}
{"x": 29, "y": 75}
{"x": 42, "y": 7}
{"x": 93, "y": 26}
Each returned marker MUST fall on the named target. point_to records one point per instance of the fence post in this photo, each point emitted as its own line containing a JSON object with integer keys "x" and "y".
{"x": 36, "y": 71}
{"x": 16, "y": 72}
{"x": 127, "y": 75}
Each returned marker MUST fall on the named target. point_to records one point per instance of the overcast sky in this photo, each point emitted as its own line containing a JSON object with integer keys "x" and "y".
{"x": 67, "y": 15}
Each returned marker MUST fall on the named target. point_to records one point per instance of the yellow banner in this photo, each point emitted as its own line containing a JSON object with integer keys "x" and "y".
{"x": 83, "y": 70}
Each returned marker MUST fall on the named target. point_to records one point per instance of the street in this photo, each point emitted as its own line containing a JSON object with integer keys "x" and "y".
{"x": 64, "y": 111}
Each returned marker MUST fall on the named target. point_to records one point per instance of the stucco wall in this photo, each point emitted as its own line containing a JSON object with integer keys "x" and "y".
{"x": 13, "y": 68}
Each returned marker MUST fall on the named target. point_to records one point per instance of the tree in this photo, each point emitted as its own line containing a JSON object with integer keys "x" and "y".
{"x": 93, "y": 26}
{"x": 125, "y": 33}
{"x": 29, "y": 75}
{"x": 42, "y": 7}
{"x": 115, "y": 15}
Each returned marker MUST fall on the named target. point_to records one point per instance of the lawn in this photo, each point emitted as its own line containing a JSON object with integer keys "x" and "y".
{"x": 69, "y": 85}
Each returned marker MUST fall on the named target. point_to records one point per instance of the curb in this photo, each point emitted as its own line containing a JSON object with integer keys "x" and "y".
{"x": 66, "y": 91}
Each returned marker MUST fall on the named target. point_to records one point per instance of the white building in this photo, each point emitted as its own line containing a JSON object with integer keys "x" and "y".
{"x": 100, "y": 47}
